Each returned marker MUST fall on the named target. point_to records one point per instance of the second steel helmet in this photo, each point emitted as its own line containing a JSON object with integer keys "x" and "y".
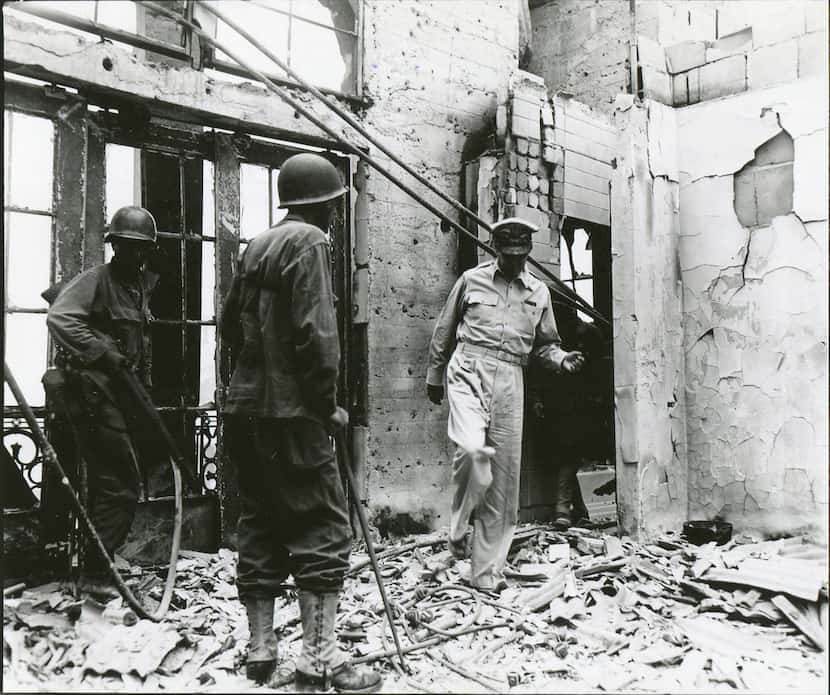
{"x": 307, "y": 178}
{"x": 132, "y": 222}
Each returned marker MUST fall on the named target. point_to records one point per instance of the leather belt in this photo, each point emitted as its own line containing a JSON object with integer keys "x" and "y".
{"x": 501, "y": 355}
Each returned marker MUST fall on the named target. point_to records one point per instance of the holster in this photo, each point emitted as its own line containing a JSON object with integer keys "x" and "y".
{"x": 54, "y": 384}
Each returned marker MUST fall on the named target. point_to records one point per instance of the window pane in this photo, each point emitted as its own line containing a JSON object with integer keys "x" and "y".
{"x": 208, "y": 206}
{"x": 32, "y": 150}
{"x": 121, "y": 15}
{"x": 585, "y": 289}
{"x": 269, "y": 27}
{"x": 316, "y": 56}
{"x": 123, "y": 177}
{"x": 6, "y": 131}
{"x": 581, "y": 253}
{"x": 253, "y": 200}
{"x": 207, "y": 365}
{"x": 277, "y": 213}
{"x": 80, "y": 8}
{"x": 26, "y": 356}
{"x": 29, "y": 239}
{"x": 208, "y": 281}
{"x": 313, "y": 9}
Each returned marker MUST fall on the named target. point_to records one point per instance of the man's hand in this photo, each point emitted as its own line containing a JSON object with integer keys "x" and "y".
{"x": 337, "y": 420}
{"x": 112, "y": 362}
{"x": 573, "y": 361}
{"x": 435, "y": 393}
{"x": 538, "y": 409}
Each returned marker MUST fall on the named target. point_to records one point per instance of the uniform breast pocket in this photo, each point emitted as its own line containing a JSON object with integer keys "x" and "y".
{"x": 533, "y": 312}
{"x": 482, "y": 309}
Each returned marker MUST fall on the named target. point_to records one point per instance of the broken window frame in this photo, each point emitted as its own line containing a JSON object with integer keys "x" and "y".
{"x": 183, "y": 52}
{"x": 195, "y": 425}
{"x": 14, "y": 425}
{"x": 570, "y": 227}
{"x": 357, "y": 53}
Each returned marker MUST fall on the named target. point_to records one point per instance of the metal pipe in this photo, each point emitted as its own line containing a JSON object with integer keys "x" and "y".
{"x": 343, "y": 459}
{"x": 354, "y": 123}
{"x": 560, "y": 289}
{"x": 137, "y": 40}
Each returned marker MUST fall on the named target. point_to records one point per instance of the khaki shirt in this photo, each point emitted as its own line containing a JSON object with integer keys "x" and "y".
{"x": 486, "y": 310}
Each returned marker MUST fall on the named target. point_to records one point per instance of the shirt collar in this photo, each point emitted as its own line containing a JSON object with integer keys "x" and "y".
{"x": 524, "y": 276}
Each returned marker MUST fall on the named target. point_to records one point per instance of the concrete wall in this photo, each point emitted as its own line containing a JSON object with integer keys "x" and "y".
{"x": 756, "y": 45}
{"x": 581, "y": 48}
{"x": 755, "y": 309}
{"x": 687, "y": 51}
{"x": 434, "y": 74}
{"x": 649, "y": 370}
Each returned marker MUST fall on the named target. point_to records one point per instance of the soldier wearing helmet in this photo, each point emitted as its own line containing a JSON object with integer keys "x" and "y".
{"x": 280, "y": 410}
{"x": 496, "y": 317}
{"x": 100, "y": 322}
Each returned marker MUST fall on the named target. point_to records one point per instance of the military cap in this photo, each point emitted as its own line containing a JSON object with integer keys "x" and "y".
{"x": 514, "y": 235}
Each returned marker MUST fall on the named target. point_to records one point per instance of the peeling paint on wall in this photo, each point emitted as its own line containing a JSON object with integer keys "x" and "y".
{"x": 755, "y": 315}
{"x": 648, "y": 356}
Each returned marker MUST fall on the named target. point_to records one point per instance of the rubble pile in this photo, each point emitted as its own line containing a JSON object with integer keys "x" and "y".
{"x": 582, "y": 611}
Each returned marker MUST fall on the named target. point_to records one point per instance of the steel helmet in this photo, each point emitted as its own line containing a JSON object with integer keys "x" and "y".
{"x": 132, "y": 222}
{"x": 306, "y": 179}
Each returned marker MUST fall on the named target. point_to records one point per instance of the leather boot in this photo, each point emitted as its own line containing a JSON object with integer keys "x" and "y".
{"x": 564, "y": 494}
{"x": 321, "y": 664}
{"x": 262, "y": 647}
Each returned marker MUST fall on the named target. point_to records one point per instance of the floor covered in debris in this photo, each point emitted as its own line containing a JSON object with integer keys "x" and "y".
{"x": 584, "y": 611}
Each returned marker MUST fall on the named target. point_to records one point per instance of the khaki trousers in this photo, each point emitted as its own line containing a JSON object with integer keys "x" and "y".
{"x": 486, "y": 399}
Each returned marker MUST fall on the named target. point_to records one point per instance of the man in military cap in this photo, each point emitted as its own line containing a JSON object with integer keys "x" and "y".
{"x": 100, "y": 322}
{"x": 496, "y": 317}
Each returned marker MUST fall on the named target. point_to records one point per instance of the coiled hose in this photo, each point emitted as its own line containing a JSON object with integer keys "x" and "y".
{"x": 51, "y": 457}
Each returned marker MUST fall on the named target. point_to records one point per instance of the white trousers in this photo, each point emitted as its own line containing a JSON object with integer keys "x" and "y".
{"x": 486, "y": 399}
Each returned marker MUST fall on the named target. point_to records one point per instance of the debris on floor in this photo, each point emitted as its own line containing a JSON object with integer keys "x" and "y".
{"x": 582, "y": 610}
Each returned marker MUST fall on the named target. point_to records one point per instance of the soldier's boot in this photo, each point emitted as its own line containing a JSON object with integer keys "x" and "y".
{"x": 262, "y": 647}
{"x": 564, "y": 495}
{"x": 321, "y": 664}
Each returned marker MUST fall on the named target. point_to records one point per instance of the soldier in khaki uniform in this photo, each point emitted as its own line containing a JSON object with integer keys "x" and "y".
{"x": 496, "y": 317}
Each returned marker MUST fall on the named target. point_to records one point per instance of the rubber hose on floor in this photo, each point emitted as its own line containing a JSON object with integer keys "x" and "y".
{"x": 51, "y": 458}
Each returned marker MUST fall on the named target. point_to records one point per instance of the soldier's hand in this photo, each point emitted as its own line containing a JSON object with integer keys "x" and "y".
{"x": 112, "y": 362}
{"x": 435, "y": 393}
{"x": 337, "y": 420}
{"x": 539, "y": 410}
{"x": 573, "y": 361}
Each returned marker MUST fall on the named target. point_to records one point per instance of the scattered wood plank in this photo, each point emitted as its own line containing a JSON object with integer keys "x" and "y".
{"x": 599, "y": 568}
{"x": 805, "y": 622}
{"x": 794, "y": 577}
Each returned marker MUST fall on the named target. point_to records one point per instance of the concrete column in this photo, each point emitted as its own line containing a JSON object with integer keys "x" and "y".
{"x": 648, "y": 334}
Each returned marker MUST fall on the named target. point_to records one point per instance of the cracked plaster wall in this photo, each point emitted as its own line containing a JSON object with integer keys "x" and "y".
{"x": 433, "y": 70}
{"x": 647, "y": 313}
{"x": 755, "y": 316}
